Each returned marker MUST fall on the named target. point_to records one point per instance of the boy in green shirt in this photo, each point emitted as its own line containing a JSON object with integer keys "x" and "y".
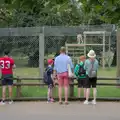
{"x": 81, "y": 75}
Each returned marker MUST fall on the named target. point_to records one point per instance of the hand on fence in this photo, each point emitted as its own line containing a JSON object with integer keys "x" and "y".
{"x": 55, "y": 81}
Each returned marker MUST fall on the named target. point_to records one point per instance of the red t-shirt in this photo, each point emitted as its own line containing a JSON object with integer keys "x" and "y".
{"x": 6, "y": 65}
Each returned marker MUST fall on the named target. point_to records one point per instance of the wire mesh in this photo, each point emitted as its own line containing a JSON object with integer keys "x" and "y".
{"x": 24, "y": 44}
{"x": 77, "y": 44}
{"x": 24, "y": 50}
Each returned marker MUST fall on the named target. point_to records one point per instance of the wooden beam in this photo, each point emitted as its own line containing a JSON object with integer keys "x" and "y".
{"x": 75, "y": 45}
{"x": 96, "y": 33}
{"x": 82, "y": 45}
{"x": 40, "y": 78}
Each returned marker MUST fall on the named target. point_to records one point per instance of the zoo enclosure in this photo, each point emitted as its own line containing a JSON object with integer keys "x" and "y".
{"x": 30, "y": 46}
{"x": 43, "y": 36}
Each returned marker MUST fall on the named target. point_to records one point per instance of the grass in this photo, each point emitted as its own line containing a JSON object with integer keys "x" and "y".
{"x": 36, "y": 91}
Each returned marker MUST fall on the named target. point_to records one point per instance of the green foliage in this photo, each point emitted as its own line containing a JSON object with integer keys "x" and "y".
{"x": 34, "y": 59}
{"x": 28, "y": 13}
{"x": 22, "y": 13}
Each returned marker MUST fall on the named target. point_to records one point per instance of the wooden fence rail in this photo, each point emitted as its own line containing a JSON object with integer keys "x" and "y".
{"x": 39, "y": 78}
{"x": 19, "y": 85}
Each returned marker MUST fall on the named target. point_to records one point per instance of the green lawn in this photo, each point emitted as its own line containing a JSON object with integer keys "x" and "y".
{"x": 36, "y": 91}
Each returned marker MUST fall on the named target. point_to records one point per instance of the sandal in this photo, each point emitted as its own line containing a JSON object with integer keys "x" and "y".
{"x": 60, "y": 102}
{"x": 66, "y": 103}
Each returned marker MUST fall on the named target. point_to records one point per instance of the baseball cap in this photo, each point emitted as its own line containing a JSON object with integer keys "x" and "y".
{"x": 50, "y": 61}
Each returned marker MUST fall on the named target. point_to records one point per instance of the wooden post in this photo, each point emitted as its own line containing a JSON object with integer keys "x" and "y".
{"x": 109, "y": 65}
{"x": 118, "y": 54}
{"x": 18, "y": 88}
{"x": 85, "y": 51}
{"x": 41, "y": 53}
{"x": 72, "y": 88}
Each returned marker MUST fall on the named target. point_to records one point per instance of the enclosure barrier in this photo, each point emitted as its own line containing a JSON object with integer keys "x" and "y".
{"x": 19, "y": 84}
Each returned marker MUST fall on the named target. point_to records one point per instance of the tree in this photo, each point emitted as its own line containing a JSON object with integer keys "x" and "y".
{"x": 28, "y": 13}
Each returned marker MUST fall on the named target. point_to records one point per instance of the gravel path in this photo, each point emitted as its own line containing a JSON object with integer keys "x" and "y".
{"x": 75, "y": 110}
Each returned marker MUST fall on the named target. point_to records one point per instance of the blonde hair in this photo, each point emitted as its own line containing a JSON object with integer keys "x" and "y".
{"x": 62, "y": 49}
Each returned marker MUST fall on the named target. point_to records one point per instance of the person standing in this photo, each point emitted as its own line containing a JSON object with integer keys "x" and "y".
{"x": 50, "y": 81}
{"x": 80, "y": 73}
{"x": 91, "y": 67}
{"x": 61, "y": 69}
{"x": 7, "y": 64}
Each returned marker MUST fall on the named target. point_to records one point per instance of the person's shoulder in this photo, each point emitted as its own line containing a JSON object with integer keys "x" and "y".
{"x": 81, "y": 62}
{"x": 96, "y": 60}
{"x": 87, "y": 60}
{"x": 67, "y": 56}
{"x": 77, "y": 65}
{"x": 1, "y": 58}
{"x": 57, "y": 57}
{"x": 10, "y": 58}
{"x": 49, "y": 67}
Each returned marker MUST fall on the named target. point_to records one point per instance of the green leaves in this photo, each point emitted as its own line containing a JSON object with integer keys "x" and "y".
{"x": 20, "y": 13}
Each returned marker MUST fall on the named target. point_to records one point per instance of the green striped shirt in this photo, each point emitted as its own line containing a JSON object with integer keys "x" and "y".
{"x": 77, "y": 69}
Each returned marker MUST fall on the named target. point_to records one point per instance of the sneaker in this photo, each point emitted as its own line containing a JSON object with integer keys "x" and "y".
{"x": 94, "y": 102}
{"x": 2, "y": 103}
{"x": 86, "y": 102}
{"x": 66, "y": 103}
{"x": 10, "y": 102}
{"x": 52, "y": 100}
{"x": 49, "y": 101}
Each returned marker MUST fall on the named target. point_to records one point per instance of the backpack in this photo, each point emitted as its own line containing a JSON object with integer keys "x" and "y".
{"x": 92, "y": 73}
{"x": 81, "y": 71}
{"x": 45, "y": 77}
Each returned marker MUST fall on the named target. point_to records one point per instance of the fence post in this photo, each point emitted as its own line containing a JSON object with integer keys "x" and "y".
{"x": 72, "y": 88}
{"x": 118, "y": 55}
{"x": 18, "y": 88}
{"x": 41, "y": 53}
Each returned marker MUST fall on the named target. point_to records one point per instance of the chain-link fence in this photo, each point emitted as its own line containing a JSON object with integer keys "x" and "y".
{"x": 79, "y": 40}
{"x": 23, "y": 44}
{"x": 31, "y": 47}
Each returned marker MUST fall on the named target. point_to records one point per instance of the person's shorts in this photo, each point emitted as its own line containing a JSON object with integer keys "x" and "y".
{"x": 91, "y": 82}
{"x": 82, "y": 82}
{"x": 7, "y": 79}
{"x": 50, "y": 84}
{"x": 63, "y": 79}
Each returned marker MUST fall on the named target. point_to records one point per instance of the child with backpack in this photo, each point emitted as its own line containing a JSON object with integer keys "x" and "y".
{"x": 81, "y": 75}
{"x": 48, "y": 79}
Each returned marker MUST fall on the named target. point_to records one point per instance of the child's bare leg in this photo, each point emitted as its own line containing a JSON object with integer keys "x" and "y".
{"x": 48, "y": 94}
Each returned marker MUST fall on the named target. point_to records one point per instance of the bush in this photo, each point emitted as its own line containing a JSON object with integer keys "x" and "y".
{"x": 33, "y": 60}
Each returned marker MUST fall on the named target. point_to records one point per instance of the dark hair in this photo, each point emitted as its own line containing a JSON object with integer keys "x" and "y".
{"x": 6, "y": 52}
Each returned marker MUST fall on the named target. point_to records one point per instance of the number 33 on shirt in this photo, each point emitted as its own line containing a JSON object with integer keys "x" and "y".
{"x": 6, "y": 65}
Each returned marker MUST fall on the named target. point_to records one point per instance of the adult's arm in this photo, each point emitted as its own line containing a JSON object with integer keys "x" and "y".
{"x": 54, "y": 69}
{"x": 71, "y": 64}
{"x": 85, "y": 65}
{"x": 14, "y": 66}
